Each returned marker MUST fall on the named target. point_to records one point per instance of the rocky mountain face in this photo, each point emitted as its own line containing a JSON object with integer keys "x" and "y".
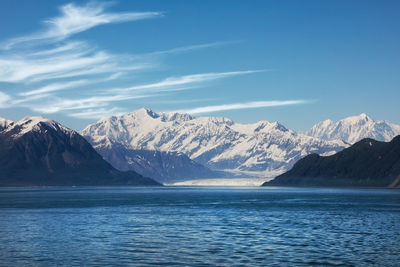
{"x": 259, "y": 149}
{"x": 37, "y": 152}
{"x": 367, "y": 163}
{"x": 165, "y": 167}
{"x": 355, "y": 128}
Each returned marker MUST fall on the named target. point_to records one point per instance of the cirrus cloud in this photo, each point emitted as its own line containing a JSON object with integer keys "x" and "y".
{"x": 75, "y": 19}
{"x": 50, "y": 73}
{"x": 246, "y": 105}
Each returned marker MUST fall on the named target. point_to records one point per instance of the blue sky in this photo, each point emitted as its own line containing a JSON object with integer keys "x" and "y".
{"x": 296, "y": 62}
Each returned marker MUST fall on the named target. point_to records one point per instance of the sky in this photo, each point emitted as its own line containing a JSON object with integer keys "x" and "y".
{"x": 296, "y": 62}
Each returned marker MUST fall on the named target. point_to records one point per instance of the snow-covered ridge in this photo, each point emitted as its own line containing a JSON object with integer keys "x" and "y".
{"x": 355, "y": 128}
{"x": 35, "y": 123}
{"x": 4, "y": 123}
{"x": 219, "y": 143}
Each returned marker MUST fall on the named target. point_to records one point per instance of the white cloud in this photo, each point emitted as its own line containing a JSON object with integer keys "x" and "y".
{"x": 4, "y": 100}
{"x": 56, "y": 104}
{"x": 22, "y": 69}
{"x": 31, "y": 98}
{"x": 75, "y": 19}
{"x": 95, "y": 69}
{"x": 52, "y": 58}
{"x": 55, "y": 87}
{"x": 45, "y": 90}
{"x": 247, "y": 105}
{"x": 64, "y": 62}
{"x": 71, "y": 46}
{"x": 189, "y": 79}
{"x": 186, "y": 48}
{"x": 52, "y": 104}
{"x": 45, "y": 63}
{"x": 98, "y": 113}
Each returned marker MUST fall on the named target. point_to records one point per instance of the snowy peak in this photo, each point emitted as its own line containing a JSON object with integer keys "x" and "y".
{"x": 357, "y": 120}
{"x": 4, "y": 123}
{"x": 141, "y": 114}
{"x": 266, "y": 126}
{"x": 31, "y": 121}
{"x": 355, "y": 128}
{"x": 37, "y": 124}
{"x": 144, "y": 112}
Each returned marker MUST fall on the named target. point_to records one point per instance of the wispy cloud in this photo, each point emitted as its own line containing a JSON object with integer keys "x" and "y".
{"x": 189, "y": 79}
{"x": 65, "y": 47}
{"x": 50, "y": 56}
{"x": 4, "y": 100}
{"x": 47, "y": 65}
{"x": 98, "y": 113}
{"x": 71, "y": 62}
{"x": 111, "y": 66}
{"x": 187, "y": 48}
{"x": 55, "y": 87}
{"x": 57, "y": 104}
{"x": 247, "y": 105}
{"x": 22, "y": 69}
{"x": 75, "y": 19}
{"x": 178, "y": 101}
{"x": 30, "y": 99}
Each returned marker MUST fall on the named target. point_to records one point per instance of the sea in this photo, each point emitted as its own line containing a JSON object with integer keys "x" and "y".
{"x": 199, "y": 226}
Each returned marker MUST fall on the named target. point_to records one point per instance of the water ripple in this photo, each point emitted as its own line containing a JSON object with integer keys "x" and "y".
{"x": 199, "y": 227}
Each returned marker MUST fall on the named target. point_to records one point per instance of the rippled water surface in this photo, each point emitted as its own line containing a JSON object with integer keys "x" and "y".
{"x": 199, "y": 226}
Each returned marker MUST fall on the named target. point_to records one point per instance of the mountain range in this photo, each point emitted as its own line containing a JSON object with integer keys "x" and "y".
{"x": 367, "y": 163}
{"x": 168, "y": 147}
{"x": 262, "y": 149}
{"x": 355, "y": 128}
{"x": 39, "y": 152}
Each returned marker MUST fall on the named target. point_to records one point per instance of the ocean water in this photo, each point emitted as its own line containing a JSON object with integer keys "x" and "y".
{"x": 205, "y": 226}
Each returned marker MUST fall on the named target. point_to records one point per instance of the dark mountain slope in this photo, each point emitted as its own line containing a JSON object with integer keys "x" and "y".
{"x": 36, "y": 151}
{"x": 367, "y": 163}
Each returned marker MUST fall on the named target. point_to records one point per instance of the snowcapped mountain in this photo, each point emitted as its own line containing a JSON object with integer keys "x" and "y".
{"x": 259, "y": 149}
{"x": 355, "y": 128}
{"x": 36, "y": 151}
